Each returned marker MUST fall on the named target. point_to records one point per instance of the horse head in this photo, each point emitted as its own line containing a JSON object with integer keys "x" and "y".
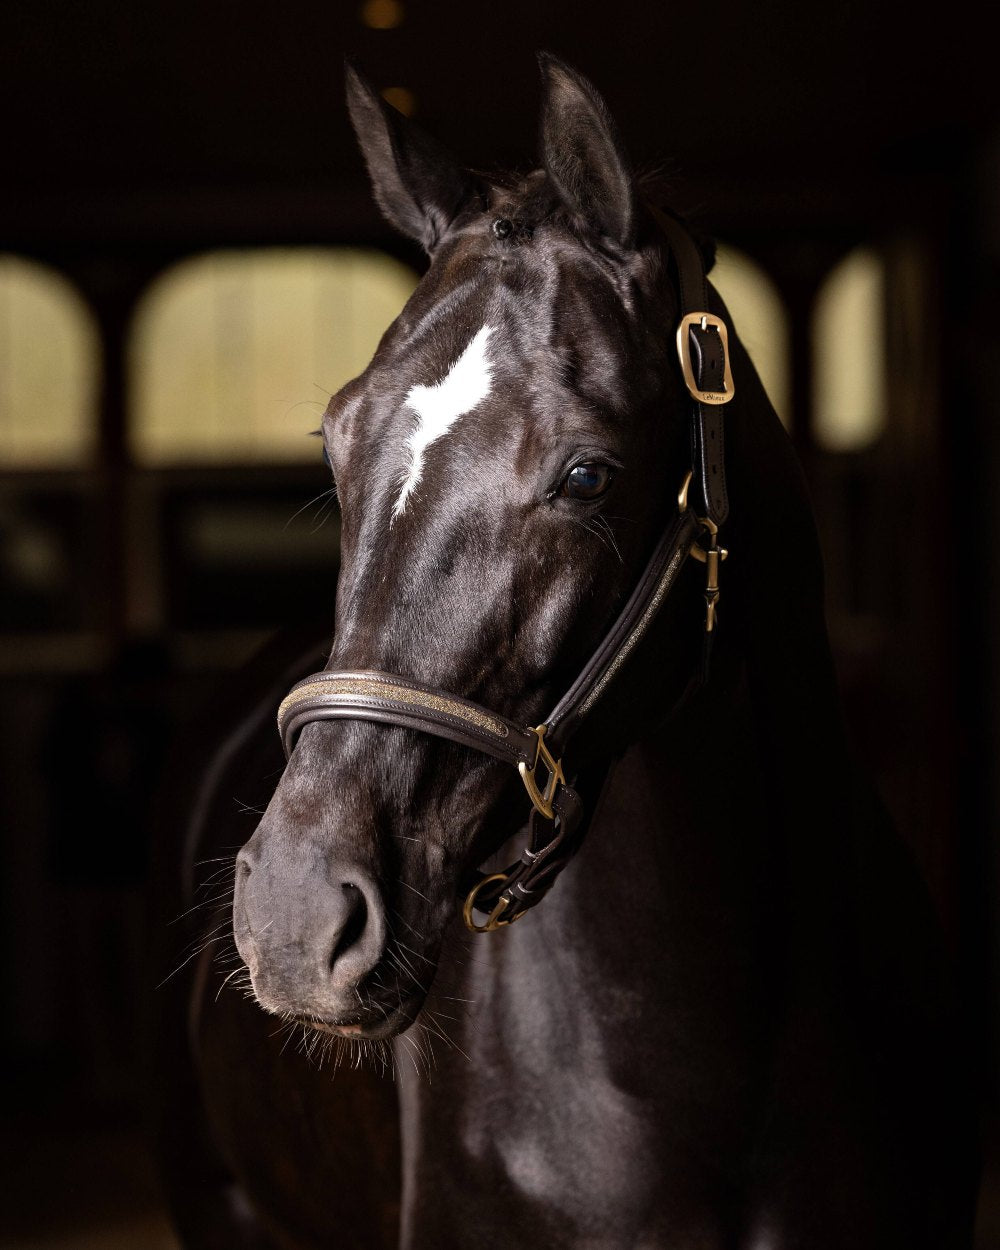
{"x": 504, "y": 466}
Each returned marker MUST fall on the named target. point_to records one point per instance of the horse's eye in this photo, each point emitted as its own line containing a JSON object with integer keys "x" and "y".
{"x": 586, "y": 481}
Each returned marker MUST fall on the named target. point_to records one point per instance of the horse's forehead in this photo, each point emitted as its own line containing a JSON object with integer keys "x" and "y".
{"x": 433, "y": 409}
{"x": 494, "y": 341}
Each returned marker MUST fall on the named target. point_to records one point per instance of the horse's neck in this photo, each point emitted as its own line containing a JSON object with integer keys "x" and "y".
{"x": 676, "y": 860}
{"x": 668, "y": 892}
{"x": 633, "y": 992}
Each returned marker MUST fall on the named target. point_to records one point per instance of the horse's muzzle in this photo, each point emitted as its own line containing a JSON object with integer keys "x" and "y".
{"x": 308, "y": 934}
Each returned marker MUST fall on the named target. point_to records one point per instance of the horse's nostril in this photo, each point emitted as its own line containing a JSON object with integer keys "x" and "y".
{"x": 353, "y": 928}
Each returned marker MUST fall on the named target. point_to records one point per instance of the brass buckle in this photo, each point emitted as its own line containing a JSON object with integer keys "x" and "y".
{"x": 496, "y": 918}
{"x": 704, "y": 320}
{"x": 542, "y": 799}
{"x": 711, "y": 556}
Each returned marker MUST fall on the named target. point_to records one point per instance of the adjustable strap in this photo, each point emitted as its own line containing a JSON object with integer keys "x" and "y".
{"x": 703, "y": 348}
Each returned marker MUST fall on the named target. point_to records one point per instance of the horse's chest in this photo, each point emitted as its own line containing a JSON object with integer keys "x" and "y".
{"x": 559, "y": 1123}
{"x": 569, "y": 1167}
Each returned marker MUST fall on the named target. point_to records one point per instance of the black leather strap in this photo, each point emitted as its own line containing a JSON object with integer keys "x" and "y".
{"x": 708, "y": 359}
{"x": 624, "y": 635}
{"x": 708, "y": 452}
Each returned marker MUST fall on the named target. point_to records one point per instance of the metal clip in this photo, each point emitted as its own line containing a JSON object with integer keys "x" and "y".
{"x": 711, "y": 556}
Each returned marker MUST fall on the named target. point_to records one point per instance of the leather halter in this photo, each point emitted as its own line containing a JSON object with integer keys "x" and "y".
{"x": 556, "y": 820}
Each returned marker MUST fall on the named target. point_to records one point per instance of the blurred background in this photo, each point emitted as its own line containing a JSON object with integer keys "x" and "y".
{"x": 190, "y": 264}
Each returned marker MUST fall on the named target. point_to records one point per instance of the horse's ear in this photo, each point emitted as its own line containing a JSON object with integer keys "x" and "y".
{"x": 582, "y": 153}
{"x": 418, "y": 185}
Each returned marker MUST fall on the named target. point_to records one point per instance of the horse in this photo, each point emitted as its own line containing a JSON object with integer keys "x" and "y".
{"x": 698, "y": 1000}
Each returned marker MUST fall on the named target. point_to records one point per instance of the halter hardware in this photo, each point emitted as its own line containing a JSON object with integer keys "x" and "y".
{"x": 496, "y": 919}
{"x": 704, "y": 321}
{"x": 711, "y": 555}
{"x": 542, "y": 799}
{"x": 556, "y": 823}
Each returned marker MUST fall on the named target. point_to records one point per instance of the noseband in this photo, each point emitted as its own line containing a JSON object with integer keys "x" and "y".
{"x": 556, "y": 819}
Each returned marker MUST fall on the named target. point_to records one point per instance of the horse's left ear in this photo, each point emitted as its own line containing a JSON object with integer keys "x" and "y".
{"x": 418, "y": 185}
{"x": 583, "y": 155}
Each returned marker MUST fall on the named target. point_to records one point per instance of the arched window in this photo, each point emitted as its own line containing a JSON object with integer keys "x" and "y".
{"x": 49, "y": 369}
{"x": 234, "y": 355}
{"x": 849, "y": 368}
{"x": 759, "y": 315}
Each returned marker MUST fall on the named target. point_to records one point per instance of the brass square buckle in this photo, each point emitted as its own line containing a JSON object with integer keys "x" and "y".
{"x": 542, "y": 799}
{"x": 704, "y": 320}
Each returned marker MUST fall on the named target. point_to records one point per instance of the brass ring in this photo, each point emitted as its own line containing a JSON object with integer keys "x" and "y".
{"x": 470, "y": 902}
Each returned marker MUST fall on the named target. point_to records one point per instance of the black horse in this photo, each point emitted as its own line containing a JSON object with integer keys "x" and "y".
{"x": 726, "y": 1023}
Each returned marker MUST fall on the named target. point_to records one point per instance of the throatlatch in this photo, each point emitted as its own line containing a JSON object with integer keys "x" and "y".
{"x": 555, "y": 822}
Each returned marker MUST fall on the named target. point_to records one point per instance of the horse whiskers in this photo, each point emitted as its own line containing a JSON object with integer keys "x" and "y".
{"x": 430, "y": 1058}
{"x": 442, "y": 1015}
{"x": 399, "y": 915}
{"x": 407, "y": 1040}
{"x": 413, "y": 888}
{"x": 331, "y": 491}
{"x": 214, "y": 859}
{"x": 438, "y": 1031}
{"x": 229, "y": 956}
{"x": 235, "y": 972}
{"x": 603, "y": 532}
{"x": 235, "y": 847}
{"x": 291, "y": 1033}
{"x": 205, "y": 902}
{"x": 324, "y": 512}
{"x": 403, "y": 947}
{"x": 602, "y": 523}
{"x": 403, "y": 968}
{"x": 187, "y": 959}
{"x": 227, "y": 870}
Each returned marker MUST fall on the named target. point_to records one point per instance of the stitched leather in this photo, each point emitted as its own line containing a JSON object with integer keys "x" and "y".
{"x": 375, "y": 696}
{"x": 707, "y": 445}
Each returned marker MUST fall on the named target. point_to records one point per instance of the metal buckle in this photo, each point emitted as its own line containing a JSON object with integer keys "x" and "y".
{"x": 704, "y": 320}
{"x": 496, "y": 918}
{"x": 542, "y": 799}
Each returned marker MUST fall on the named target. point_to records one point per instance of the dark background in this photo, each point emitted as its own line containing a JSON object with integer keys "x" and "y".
{"x": 136, "y": 135}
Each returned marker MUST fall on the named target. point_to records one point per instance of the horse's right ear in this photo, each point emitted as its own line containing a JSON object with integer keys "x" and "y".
{"x": 418, "y": 185}
{"x": 582, "y": 153}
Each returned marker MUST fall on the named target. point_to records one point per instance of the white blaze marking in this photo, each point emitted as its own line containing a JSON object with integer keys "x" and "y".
{"x": 438, "y": 407}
